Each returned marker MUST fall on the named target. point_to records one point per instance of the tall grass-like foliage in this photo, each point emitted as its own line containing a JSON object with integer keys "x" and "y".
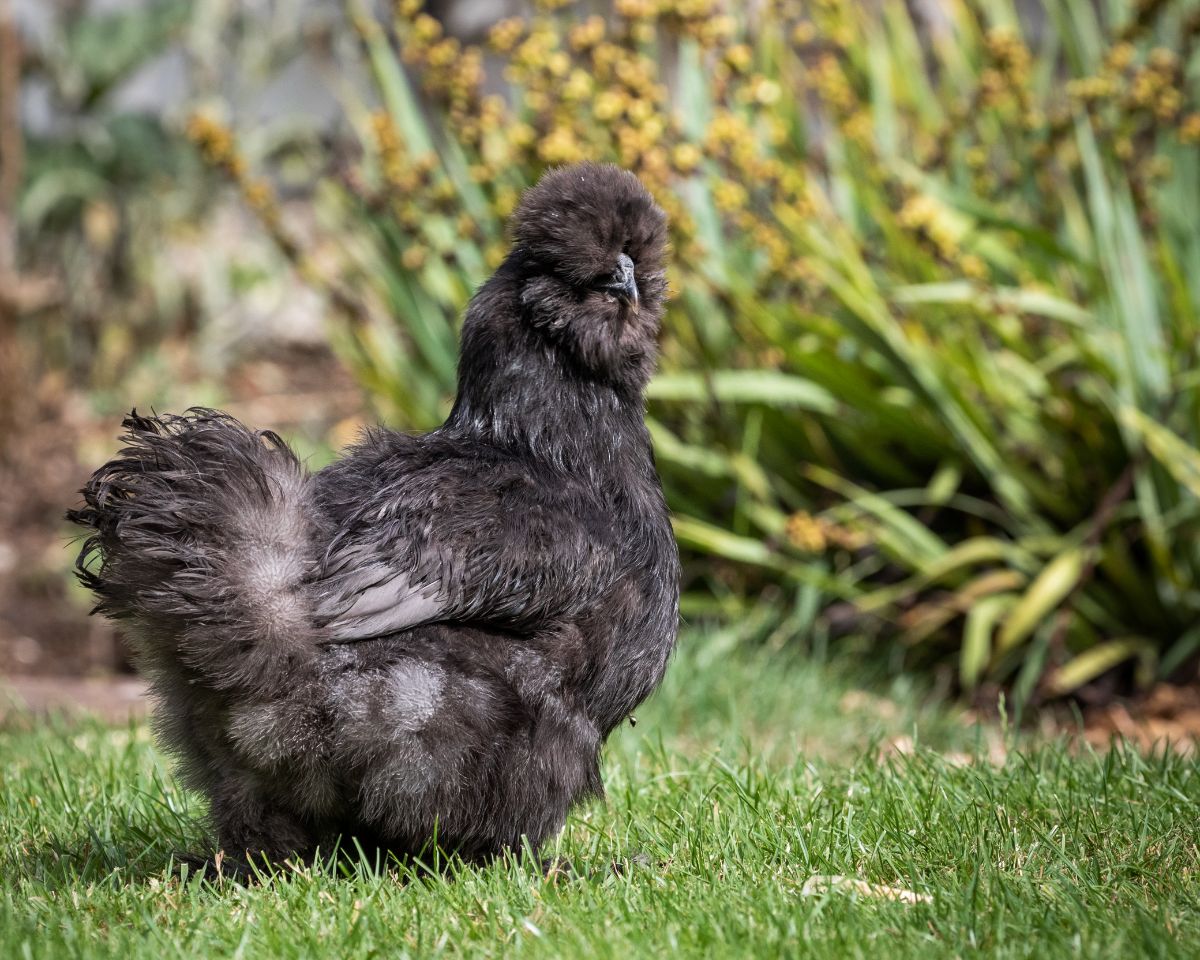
{"x": 930, "y": 372}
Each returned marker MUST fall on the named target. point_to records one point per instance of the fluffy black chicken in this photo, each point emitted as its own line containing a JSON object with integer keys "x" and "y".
{"x": 432, "y": 637}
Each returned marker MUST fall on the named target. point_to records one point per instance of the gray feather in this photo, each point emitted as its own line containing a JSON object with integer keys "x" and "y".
{"x": 376, "y": 601}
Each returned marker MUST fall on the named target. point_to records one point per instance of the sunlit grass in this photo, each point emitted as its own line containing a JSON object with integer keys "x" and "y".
{"x": 747, "y": 777}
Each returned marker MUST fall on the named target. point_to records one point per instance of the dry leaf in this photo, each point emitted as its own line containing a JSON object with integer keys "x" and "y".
{"x": 814, "y": 886}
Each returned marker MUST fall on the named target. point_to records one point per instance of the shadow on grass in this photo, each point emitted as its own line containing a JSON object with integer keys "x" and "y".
{"x": 138, "y": 857}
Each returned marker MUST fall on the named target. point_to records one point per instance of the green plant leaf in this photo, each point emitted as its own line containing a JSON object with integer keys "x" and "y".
{"x": 976, "y": 648}
{"x": 1047, "y": 591}
{"x": 1097, "y": 660}
{"x": 963, "y": 556}
{"x": 1178, "y": 457}
{"x": 767, "y": 387}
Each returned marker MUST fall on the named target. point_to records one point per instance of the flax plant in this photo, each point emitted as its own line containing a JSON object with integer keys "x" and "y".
{"x": 930, "y": 372}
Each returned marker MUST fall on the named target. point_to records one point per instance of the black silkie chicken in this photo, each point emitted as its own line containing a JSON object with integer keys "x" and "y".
{"x": 435, "y": 634}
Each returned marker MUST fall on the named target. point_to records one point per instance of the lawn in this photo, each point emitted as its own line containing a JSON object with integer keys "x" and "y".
{"x": 751, "y": 779}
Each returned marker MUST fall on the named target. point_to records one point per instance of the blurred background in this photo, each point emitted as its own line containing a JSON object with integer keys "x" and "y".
{"x": 930, "y": 378}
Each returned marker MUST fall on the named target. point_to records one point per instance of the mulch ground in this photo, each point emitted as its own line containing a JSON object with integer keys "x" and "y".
{"x": 113, "y": 699}
{"x": 1168, "y": 714}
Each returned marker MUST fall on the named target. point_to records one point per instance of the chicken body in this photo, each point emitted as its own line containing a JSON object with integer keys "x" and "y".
{"x": 430, "y": 639}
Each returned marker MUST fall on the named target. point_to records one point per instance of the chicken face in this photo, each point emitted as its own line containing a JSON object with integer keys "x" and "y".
{"x": 591, "y": 241}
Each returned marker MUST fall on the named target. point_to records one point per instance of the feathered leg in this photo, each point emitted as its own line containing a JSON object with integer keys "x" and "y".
{"x": 251, "y": 831}
{"x": 249, "y": 826}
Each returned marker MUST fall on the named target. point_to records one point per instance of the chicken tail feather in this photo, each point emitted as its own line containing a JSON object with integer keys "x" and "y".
{"x": 200, "y": 540}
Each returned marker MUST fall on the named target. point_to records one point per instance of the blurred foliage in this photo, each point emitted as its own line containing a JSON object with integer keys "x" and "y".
{"x": 152, "y": 264}
{"x": 100, "y": 187}
{"x": 930, "y": 373}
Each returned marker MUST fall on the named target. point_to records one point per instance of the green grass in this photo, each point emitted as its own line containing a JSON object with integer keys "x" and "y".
{"x": 750, "y": 773}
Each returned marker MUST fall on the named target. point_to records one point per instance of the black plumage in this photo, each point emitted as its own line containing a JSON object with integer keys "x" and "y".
{"x": 436, "y": 633}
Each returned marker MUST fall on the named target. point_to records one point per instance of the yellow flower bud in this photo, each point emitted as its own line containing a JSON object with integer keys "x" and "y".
{"x": 413, "y": 258}
{"x": 686, "y": 157}
{"x": 974, "y": 267}
{"x": 608, "y": 105}
{"x": 805, "y": 532}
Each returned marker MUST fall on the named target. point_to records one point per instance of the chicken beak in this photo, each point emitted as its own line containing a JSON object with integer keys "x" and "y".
{"x": 623, "y": 284}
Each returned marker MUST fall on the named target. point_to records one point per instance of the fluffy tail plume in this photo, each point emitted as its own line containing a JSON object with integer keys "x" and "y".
{"x": 201, "y": 540}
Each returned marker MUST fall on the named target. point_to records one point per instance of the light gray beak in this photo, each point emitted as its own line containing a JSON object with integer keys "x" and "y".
{"x": 623, "y": 284}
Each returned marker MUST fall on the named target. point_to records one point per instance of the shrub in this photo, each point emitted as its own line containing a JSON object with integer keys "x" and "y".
{"x": 930, "y": 371}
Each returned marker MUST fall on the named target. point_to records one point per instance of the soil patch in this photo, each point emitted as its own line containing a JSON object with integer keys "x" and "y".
{"x": 113, "y": 699}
